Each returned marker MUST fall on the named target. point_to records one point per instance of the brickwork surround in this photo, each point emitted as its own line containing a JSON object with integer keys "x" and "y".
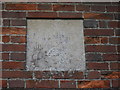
{"x": 101, "y": 38}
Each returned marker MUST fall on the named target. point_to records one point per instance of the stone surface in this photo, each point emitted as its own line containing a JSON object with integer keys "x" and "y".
{"x": 55, "y": 45}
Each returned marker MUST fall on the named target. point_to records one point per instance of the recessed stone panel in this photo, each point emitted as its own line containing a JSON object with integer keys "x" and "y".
{"x": 55, "y": 45}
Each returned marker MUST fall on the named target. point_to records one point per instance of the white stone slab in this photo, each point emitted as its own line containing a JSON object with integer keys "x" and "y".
{"x": 55, "y": 45}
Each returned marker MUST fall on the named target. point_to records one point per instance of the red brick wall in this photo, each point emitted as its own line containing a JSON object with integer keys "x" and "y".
{"x": 102, "y": 50}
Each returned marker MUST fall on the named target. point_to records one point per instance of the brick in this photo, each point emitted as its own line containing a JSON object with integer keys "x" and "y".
{"x": 42, "y": 84}
{"x": 18, "y": 22}
{"x": 18, "y": 56}
{"x": 42, "y": 15}
{"x": 114, "y": 40}
{"x": 98, "y": 8}
{"x": 100, "y": 48}
{"x": 69, "y": 15}
{"x": 82, "y": 7}
{"x": 13, "y": 47}
{"x": 5, "y": 56}
{"x": 98, "y": 16}
{"x": 117, "y": 32}
{"x": 67, "y": 84}
{"x": 94, "y": 84}
{"x": 13, "y": 65}
{"x": 44, "y": 7}
{"x": 13, "y": 14}
{"x": 112, "y": 8}
{"x": 18, "y": 39}
{"x": 44, "y": 74}
{"x": 111, "y": 57}
{"x": 105, "y": 73}
{"x": 115, "y": 66}
{"x": 2, "y": 6}
{"x": 16, "y": 74}
{"x": 97, "y": 66}
{"x": 3, "y": 83}
{"x": 90, "y": 24}
{"x": 16, "y": 84}
{"x": 13, "y": 30}
{"x": 93, "y": 57}
{"x": 92, "y": 40}
{"x": 110, "y": 75}
{"x": 116, "y": 83}
{"x": 96, "y": 40}
{"x": 5, "y": 39}
{"x": 0, "y": 65}
{"x": 117, "y": 16}
{"x": 73, "y": 75}
{"x": 59, "y": 75}
{"x": 114, "y": 24}
{"x": 98, "y": 32}
{"x": 104, "y": 40}
{"x": 93, "y": 75}
{"x": 118, "y": 48}
{"x": 63, "y": 7}
{"x": 6, "y": 22}
{"x": 21, "y": 6}
{"x": 102, "y": 24}
{"x": 5, "y": 30}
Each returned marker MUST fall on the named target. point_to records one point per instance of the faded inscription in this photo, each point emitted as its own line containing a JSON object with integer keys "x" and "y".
{"x": 55, "y": 45}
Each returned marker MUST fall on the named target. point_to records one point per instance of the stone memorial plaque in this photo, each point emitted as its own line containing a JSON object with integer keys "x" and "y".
{"x": 55, "y": 45}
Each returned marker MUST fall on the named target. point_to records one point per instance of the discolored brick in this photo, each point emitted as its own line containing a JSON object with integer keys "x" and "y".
{"x": 18, "y": 39}
{"x": 16, "y": 83}
{"x": 18, "y": 56}
{"x": 5, "y": 39}
{"x": 93, "y": 75}
{"x": 103, "y": 24}
{"x": 94, "y": 84}
{"x": 13, "y": 30}
{"x": 6, "y": 22}
{"x": 93, "y": 57}
{"x": 96, "y": 40}
{"x": 18, "y": 22}
{"x": 90, "y": 24}
{"x": 98, "y": 16}
{"x": 13, "y": 14}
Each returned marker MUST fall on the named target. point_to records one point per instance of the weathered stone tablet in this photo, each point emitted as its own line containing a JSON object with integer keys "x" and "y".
{"x": 55, "y": 45}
